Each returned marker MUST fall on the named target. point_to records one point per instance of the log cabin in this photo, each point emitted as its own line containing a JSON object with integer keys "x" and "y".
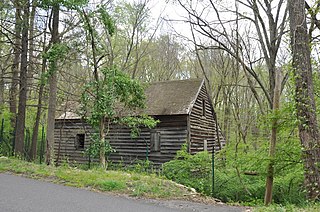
{"x": 186, "y": 116}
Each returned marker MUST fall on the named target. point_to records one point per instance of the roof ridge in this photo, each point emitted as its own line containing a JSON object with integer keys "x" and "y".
{"x": 171, "y": 81}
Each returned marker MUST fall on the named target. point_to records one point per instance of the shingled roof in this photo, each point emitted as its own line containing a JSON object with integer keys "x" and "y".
{"x": 172, "y": 97}
{"x": 165, "y": 98}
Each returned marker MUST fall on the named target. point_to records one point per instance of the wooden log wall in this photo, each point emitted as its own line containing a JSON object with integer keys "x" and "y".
{"x": 65, "y": 140}
{"x": 173, "y": 134}
{"x": 203, "y": 125}
{"x": 172, "y": 131}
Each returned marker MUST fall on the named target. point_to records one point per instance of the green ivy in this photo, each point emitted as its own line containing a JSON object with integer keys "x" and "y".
{"x": 115, "y": 91}
{"x": 57, "y": 52}
{"x": 104, "y": 99}
{"x": 95, "y": 145}
{"x": 107, "y": 21}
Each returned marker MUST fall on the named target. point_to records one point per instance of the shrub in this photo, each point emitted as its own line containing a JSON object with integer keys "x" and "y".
{"x": 232, "y": 185}
{"x": 192, "y": 171}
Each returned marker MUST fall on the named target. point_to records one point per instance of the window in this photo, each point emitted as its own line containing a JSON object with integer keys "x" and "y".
{"x": 203, "y": 107}
{"x": 155, "y": 141}
{"x": 79, "y": 142}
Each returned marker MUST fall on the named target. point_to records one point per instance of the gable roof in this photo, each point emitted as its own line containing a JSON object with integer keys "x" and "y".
{"x": 172, "y": 97}
{"x": 164, "y": 98}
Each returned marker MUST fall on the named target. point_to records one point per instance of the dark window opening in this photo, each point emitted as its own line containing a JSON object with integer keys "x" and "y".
{"x": 203, "y": 107}
{"x": 79, "y": 143}
{"x": 155, "y": 142}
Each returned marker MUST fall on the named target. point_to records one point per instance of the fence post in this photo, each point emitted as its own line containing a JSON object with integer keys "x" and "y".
{"x": 14, "y": 138}
{"x": 89, "y": 157}
{"x": 212, "y": 171}
{"x": 25, "y": 146}
{"x": 42, "y": 145}
{"x": 2, "y": 129}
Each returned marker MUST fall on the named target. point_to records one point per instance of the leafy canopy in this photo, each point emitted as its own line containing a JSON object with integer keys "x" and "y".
{"x": 113, "y": 93}
{"x": 70, "y": 4}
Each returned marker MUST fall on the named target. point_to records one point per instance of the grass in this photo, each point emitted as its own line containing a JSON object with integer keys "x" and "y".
{"x": 312, "y": 207}
{"x": 120, "y": 182}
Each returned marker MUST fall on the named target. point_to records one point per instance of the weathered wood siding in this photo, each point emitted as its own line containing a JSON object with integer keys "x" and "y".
{"x": 65, "y": 136}
{"x": 198, "y": 130}
{"x": 202, "y": 125}
{"x": 172, "y": 131}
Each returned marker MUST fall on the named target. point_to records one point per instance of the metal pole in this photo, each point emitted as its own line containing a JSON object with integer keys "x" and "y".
{"x": 219, "y": 142}
{"x": 212, "y": 161}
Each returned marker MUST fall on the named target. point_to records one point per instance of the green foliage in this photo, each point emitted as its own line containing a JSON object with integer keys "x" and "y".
{"x": 132, "y": 15}
{"x": 5, "y": 132}
{"x": 232, "y": 184}
{"x": 137, "y": 166}
{"x": 190, "y": 170}
{"x": 239, "y": 159}
{"x": 183, "y": 153}
{"x": 106, "y": 98}
{"x": 114, "y": 93}
{"x": 107, "y": 20}
{"x": 70, "y": 4}
{"x": 8, "y": 130}
{"x": 53, "y": 55}
{"x": 141, "y": 166}
{"x": 95, "y": 145}
{"x": 310, "y": 207}
{"x": 99, "y": 99}
{"x": 110, "y": 185}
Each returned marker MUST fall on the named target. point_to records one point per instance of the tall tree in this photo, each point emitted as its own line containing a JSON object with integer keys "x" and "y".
{"x": 52, "y": 85}
{"x": 110, "y": 87}
{"x": 134, "y": 34}
{"x": 15, "y": 63}
{"x": 20, "y": 126}
{"x": 269, "y": 19}
{"x": 55, "y": 53}
{"x": 304, "y": 96}
{"x": 33, "y": 149}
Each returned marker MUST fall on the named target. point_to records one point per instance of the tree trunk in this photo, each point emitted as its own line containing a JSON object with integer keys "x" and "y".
{"x": 102, "y": 158}
{"x": 15, "y": 65}
{"x": 102, "y": 143}
{"x": 20, "y": 126}
{"x": 52, "y": 89}
{"x": 305, "y": 103}
{"x": 33, "y": 150}
{"x": 273, "y": 139}
{"x": 1, "y": 87}
{"x": 31, "y": 68}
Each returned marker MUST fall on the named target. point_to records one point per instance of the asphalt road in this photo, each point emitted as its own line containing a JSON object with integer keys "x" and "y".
{"x": 22, "y": 194}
